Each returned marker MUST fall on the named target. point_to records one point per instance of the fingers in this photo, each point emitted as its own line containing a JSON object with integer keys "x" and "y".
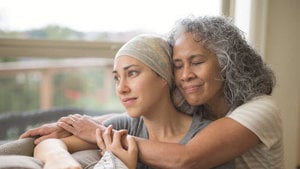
{"x": 132, "y": 146}
{"x": 39, "y": 131}
{"x": 30, "y": 133}
{"x": 68, "y": 120}
{"x": 117, "y": 138}
{"x": 40, "y": 139}
{"x": 67, "y": 127}
{"x": 100, "y": 141}
{"x": 107, "y": 135}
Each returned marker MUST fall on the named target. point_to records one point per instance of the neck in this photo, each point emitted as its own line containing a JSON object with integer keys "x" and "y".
{"x": 166, "y": 123}
{"x": 217, "y": 109}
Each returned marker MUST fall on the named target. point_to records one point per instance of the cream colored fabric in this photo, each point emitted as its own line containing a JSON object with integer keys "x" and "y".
{"x": 262, "y": 117}
{"x": 19, "y": 162}
{"x": 153, "y": 51}
{"x": 23, "y": 146}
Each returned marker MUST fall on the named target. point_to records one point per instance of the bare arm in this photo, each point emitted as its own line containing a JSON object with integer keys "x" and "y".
{"x": 221, "y": 141}
{"x": 75, "y": 144}
{"x": 54, "y": 153}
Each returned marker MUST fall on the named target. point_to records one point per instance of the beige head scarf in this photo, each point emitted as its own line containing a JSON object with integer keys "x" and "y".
{"x": 155, "y": 52}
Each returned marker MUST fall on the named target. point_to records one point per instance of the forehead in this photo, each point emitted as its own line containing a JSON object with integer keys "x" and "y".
{"x": 124, "y": 61}
{"x": 186, "y": 46}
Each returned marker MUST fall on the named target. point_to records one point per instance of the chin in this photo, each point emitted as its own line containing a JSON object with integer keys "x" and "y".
{"x": 133, "y": 114}
{"x": 194, "y": 101}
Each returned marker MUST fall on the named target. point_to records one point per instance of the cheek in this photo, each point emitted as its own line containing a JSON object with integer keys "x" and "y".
{"x": 141, "y": 86}
{"x": 177, "y": 75}
{"x": 215, "y": 82}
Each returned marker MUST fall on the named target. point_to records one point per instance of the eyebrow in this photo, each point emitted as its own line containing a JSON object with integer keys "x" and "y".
{"x": 126, "y": 68}
{"x": 191, "y": 57}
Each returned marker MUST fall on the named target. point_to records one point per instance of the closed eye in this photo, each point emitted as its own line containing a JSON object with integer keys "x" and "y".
{"x": 177, "y": 64}
{"x": 196, "y": 63}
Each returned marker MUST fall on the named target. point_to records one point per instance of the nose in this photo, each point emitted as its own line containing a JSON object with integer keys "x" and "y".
{"x": 187, "y": 74}
{"x": 122, "y": 86}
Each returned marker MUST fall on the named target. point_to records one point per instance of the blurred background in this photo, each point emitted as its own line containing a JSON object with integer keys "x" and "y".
{"x": 56, "y": 56}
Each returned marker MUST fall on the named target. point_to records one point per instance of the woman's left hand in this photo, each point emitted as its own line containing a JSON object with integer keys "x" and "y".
{"x": 112, "y": 141}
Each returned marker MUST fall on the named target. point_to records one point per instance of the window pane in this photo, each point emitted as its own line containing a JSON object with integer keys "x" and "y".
{"x": 30, "y": 84}
{"x": 242, "y": 15}
{"x": 45, "y": 83}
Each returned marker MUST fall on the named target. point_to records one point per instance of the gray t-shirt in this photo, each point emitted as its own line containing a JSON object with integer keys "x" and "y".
{"x": 136, "y": 127}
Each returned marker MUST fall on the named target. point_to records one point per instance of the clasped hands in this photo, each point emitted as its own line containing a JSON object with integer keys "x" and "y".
{"x": 118, "y": 142}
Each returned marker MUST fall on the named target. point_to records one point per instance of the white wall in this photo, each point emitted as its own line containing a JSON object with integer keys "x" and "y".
{"x": 282, "y": 51}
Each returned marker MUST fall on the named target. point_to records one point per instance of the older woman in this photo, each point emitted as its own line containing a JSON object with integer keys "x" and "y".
{"x": 218, "y": 72}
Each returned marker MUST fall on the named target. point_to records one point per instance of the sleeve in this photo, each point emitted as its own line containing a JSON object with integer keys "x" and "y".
{"x": 121, "y": 121}
{"x": 261, "y": 116}
{"x": 134, "y": 126}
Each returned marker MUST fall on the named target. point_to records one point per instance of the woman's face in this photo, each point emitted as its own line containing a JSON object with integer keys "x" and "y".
{"x": 197, "y": 72}
{"x": 138, "y": 87}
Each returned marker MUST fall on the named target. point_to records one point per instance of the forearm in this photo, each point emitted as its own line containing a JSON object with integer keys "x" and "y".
{"x": 54, "y": 154}
{"x": 209, "y": 148}
{"x": 74, "y": 144}
{"x": 163, "y": 155}
{"x": 49, "y": 147}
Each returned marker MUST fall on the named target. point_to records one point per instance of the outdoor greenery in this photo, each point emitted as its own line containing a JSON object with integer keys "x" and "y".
{"x": 80, "y": 88}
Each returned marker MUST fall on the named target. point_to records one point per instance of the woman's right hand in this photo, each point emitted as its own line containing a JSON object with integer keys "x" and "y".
{"x": 81, "y": 126}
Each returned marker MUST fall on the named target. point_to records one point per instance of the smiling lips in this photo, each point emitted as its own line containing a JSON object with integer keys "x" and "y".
{"x": 190, "y": 89}
{"x": 128, "y": 101}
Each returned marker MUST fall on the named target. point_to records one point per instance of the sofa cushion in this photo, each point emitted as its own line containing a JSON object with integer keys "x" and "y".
{"x": 19, "y": 162}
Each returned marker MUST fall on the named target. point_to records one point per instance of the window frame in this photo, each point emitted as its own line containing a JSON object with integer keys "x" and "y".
{"x": 57, "y": 48}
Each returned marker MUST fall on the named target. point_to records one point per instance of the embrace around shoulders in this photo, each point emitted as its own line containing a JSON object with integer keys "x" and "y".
{"x": 261, "y": 116}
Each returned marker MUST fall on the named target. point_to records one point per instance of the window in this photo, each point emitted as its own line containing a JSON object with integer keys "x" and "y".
{"x": 58, "y": 53}
{"x": 242, "y": 15}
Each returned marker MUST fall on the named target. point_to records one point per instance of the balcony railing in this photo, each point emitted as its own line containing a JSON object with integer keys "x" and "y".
{"x": 102, "y": 52}
{"x": 48, "y": 68}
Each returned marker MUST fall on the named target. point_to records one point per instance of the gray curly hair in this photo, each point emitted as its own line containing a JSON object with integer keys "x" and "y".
{"x": 243, "y": 70}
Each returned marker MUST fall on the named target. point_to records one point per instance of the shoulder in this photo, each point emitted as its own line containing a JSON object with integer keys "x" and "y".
{"x": 264, "y": 101}
{"x": 262, "y": 116}
{"x": 260, "y": 108}
{"x": 122, "y": 121}
{"x": 198, "y": 123}
{"x": 135, "y": 126}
